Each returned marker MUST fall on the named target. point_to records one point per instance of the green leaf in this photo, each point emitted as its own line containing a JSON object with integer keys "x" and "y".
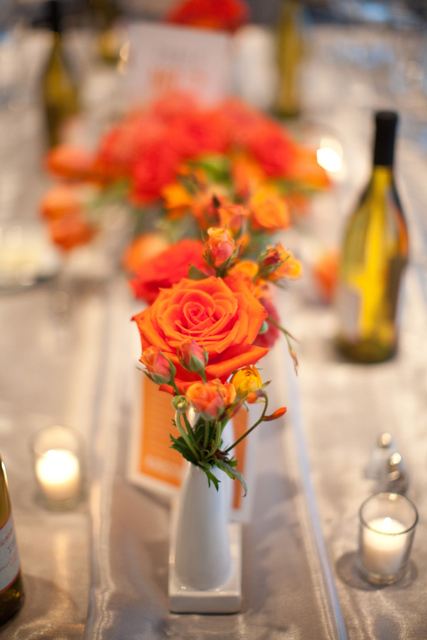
{"x": 196, "y": 274}
{"x": 211, "y": 478}
{"x": 182, "y": 448}
{"x": 233, "y": 473}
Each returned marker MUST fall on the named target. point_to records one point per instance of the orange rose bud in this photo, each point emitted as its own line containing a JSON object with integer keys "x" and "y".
{"x": 142, "y": 249}
{"x": 233, "y": 216}
{"x": 276, "y": 263}
{"x": 246, "y": 381}
{"x": 59, "y": 201}
{"x": 177, "y": 200}
{"x": 211, "y": 398}
{"x": 219, "y": 247}
{"x": 289, "y": 268}
{"x": 161, "y": 368}
{"x": 277, "y": 414}
{"x": 71, "y": 163}
{"x": 325, "y": 275}
{"x": 255, "y": 396}
{"x": 70, "y": 231}
{"x": 269, "y": 211}
{"x": 193, "y": 357}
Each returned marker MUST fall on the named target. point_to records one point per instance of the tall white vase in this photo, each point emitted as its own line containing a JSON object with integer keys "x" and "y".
{"x": 202, "y": 550}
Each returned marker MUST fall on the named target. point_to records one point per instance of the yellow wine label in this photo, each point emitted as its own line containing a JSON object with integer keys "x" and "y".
{"x": 9, "y": 558}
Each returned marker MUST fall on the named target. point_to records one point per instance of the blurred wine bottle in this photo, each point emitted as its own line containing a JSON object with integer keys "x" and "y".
{"x": 374, "y": 256}
{"x": 289, "y": 58}
{"x": 11, "y": 589}
{"x": 109, "y": 39}
{"x": 60, "y": 91}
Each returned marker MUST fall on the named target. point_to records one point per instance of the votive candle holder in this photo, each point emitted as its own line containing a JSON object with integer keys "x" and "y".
{"x": 387, "y": 523}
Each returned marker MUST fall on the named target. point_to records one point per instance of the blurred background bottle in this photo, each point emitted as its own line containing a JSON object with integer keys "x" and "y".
{"x": 289, "y": 58}
{"x": 11, "y": 589}
{"x": 373, "y": 259}
{"x": 60, "y": 91}
{"x": 109, "y": 39}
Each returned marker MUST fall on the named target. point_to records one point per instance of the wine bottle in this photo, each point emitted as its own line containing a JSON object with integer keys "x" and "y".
{"x": 373, "y": 259}
{"x": 11, "y": 589}
{"x": 289, "y": 57}
{"x": 109, "y": 39}
{"x": 60, "y": 90}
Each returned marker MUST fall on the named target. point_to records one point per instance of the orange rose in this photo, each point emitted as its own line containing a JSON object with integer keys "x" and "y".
{"x": 204, "y": 208}
{"x": 221, "y": 315}
{"x": 177, "y": 200}
{"x": 66, "y": 199}
{"x": 269, "y": 211}
{"x": 70, "y": 231}
{"x": 166, "y": 268}
{"x": 248, "y": 270}
{"x": 72, "y": 163}
{"x": 143, "y": 249}
{"x": 233, "y": 216}
{"x": 209, "y": 14}
{"x": 247, "y": 175}
{"x": 307, "y": 170}
{"x": 211, "y": 398}
{"x": 59, "y": 201}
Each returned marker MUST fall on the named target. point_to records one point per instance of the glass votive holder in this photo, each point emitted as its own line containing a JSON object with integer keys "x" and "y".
{"x": 58, "y": 457}
{"x": 386, "y": 531}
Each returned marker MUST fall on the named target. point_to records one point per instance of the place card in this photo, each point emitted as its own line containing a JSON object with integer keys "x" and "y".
{"x": 164, "y": 59}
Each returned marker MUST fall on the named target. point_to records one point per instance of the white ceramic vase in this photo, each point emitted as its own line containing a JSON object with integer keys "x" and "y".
{"x": 202, "y": 549}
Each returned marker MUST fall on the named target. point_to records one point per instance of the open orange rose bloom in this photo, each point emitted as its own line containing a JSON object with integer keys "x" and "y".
{"x": 223, "y": 316}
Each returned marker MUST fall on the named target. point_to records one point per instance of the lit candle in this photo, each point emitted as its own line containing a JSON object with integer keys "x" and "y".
{"x": 383, "y": 549}
{"x": 58, "y": 472}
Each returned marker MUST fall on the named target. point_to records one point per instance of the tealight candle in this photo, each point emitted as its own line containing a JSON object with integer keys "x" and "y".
{"x": 387, "y": 527}
{"x": 58, "y": 466}
{"x": 58, "y": 472}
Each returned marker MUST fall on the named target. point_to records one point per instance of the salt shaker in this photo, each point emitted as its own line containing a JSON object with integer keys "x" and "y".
{"x": 379, "y": 456}
{"x": 395, "y": 477}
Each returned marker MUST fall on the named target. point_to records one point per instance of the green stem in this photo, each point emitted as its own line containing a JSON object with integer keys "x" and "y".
{"x": 174, "y": 387}
{"x": 206, "y": 438}
{"x": 217, "y": 439}
{"x": 251, "y": 429}
{"x": 285, "y": 331}
{"x": 190, "y": 430}
{"x": 184, "y": 434}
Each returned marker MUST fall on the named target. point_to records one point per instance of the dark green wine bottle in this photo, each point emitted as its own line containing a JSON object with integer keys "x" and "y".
{"x": 60, "y": 91}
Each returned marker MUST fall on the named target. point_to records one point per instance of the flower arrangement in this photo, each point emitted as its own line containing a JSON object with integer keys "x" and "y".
{"x": 201, "y": 336}
{"x": 224, "y": 15}
{"x": 168, "y": 160}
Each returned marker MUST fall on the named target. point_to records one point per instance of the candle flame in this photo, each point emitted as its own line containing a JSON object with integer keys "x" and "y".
{"x": 387, "y": 525}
